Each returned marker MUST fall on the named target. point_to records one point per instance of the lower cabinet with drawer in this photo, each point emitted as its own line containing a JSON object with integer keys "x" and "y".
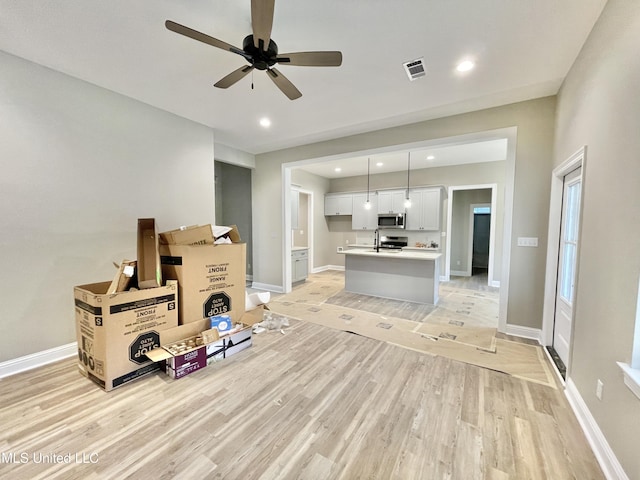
{"x": 299, "y": 265}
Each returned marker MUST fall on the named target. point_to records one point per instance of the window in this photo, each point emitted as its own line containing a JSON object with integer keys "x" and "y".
{"x": 632, "y": 371}
{"x": 482, "y": 210}
{"x": 569, "y": 245}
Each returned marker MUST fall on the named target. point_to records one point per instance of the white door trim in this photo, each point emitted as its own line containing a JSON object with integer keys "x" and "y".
{"x": 578, "y": 159}
{"x": 492, "y": 233}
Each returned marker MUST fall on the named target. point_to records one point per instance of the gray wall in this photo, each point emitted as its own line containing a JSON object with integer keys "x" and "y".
{"x": 534, "y": 120}
{"x": 79, "y": 165}
{"x": 301, "y": 234}
{"x": 318, "y": 186}
{"x": 599, "y": 106}
{"x": 233, "y": 202}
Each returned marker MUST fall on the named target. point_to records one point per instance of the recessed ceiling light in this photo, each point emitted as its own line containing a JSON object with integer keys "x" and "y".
{"x": 430, "y": 157}
{"x": 379, "y": 164}
{"x": 265, "y": 122}
{"x": 337, "y": 169}
{"x": 465, "y": 66}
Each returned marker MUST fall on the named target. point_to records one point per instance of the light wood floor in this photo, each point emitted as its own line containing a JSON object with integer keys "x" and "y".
{"x": 314, "y": 403}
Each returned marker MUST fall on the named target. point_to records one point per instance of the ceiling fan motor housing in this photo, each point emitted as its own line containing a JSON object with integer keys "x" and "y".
{"x": 261, "y": 59}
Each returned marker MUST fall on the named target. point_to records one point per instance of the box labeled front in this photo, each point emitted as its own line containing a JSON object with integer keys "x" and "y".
{"x": 115, "y": 331}
{"x": 211, "y": 279}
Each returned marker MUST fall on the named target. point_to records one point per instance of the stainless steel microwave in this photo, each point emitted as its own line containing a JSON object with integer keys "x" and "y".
{"x": 391, "y": 220}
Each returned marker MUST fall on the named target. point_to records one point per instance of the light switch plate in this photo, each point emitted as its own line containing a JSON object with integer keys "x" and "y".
{"x": 527, "y": 241}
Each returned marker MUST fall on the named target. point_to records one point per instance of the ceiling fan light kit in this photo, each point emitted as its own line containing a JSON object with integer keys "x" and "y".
{"x": 261, "y": 52}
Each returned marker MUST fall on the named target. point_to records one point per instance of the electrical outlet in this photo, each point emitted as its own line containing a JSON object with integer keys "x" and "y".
{"x": 339, "y": 250}
{"x": 457, "y": 262}
{"x": 599, "y": 388}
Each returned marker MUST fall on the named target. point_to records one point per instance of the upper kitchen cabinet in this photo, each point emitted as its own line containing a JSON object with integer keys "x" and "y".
{"x": 338, "y": 204}
{"x": 425, "y": 210}
{"x": 364, "y": 219}
{"x": 391, "y": 201}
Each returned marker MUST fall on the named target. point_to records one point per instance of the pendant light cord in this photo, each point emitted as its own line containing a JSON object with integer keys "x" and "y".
{"x": 408, "y": 170}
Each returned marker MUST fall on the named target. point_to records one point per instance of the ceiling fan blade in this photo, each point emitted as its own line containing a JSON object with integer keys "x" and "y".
{"x": 284, "y": 84}
{"x": 233, "y": 77}
{"x": 261, "y": 22}
{"x": 201, "y": 37}
{"x": 311, "y": 59}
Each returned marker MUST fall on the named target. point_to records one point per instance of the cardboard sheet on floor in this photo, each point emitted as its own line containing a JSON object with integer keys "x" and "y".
{"x": 517, "y": 359}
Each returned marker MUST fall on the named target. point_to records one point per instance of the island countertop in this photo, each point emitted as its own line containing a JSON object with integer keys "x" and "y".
{"x": 403, "y": 254}
{"x": 401, "y": 275}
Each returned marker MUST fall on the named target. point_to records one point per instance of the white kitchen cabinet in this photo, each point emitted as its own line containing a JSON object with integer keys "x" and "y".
{"x": 295, "y": 209}
{"x": 425, "y": 210}
{"x": 299, "y": 265}
{"x": 391, "y": 201}
{"x": 363, "y": 219}
{"x": 338, "y": 204}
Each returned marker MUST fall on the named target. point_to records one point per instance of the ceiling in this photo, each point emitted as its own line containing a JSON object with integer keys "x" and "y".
{"x": 416, "y": 158}
{"x": 523, "y": 49}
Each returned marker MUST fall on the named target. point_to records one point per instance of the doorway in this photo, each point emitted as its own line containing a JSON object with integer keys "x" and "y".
{"x": 464, "y": 230}
{"x": 566, "y": 271}
{"x": 480, "y": 237}
{"x": 563, "y": 252}
{"x": 233, "y": 203}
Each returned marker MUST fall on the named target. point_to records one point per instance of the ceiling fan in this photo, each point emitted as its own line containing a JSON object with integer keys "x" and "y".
{"x": 261, "y": 51}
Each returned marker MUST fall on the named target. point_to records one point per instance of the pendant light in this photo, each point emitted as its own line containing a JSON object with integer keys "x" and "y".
{"x": 407, "y": 200}
{"x": 367, "y": 204}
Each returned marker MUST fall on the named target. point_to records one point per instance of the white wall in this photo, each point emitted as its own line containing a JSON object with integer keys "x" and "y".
{"x": 80, "y": 165}
{"x": 599, "y": 106}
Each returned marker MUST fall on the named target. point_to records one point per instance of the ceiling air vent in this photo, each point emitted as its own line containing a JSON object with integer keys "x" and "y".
{"x": 415, "y": 69}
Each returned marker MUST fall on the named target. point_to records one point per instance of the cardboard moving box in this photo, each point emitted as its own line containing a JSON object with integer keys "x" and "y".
{"x": 181, "y": 358}
{"x": 115, "y": 331}
{"x": 149, "y": 269}
{"x": 194, "y": 235}
{"x": 211, "y": 278}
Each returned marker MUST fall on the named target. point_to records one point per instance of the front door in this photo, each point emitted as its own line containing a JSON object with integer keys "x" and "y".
{"x": 567, "y": 261}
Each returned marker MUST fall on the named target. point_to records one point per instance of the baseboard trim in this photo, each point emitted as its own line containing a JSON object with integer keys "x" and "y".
{"x": 459, "y": 273}
{"x": 328, "y": 267}
{"x": 606, "y": 458}
{"x": 38, "y": 359}
{"x": 267, "y": 287}
{"x": 524, "y": 332}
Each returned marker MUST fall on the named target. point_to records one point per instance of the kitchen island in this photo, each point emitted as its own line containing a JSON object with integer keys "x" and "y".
{"x": 401, "y": 275}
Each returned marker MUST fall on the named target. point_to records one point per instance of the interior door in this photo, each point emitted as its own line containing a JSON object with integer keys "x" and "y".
{"x": 480, "y": 251}
{"x": 565, "y": 291}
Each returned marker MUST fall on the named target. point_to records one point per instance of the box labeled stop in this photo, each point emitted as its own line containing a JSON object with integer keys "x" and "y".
{"x": 211, "y": 278}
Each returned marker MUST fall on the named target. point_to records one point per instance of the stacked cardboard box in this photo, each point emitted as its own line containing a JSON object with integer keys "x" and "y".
{"x": 116, "y": 329}
{"x": 211, "y": 278}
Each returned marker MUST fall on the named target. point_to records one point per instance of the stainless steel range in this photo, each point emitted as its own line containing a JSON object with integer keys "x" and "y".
{"x": 393, "y": 242}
